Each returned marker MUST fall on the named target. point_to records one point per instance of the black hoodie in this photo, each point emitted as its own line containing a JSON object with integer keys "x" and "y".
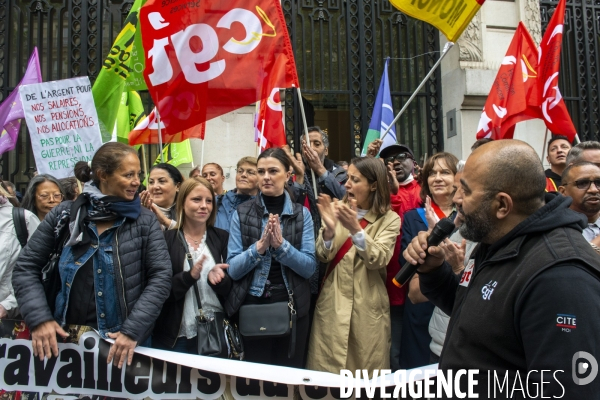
{"x": 530, "y": 303}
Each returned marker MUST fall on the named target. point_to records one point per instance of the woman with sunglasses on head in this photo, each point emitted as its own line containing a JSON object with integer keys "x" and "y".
{"x": 271, "y": 258}
{"x": 163, "y": 185}
{"x": 113, "y": 272}
{"x": 437, "y": 191}
{"x": 351, "y": 324}
{"x": 196, "y": 213}
{"x": 246, "y": 187}
{"x": 43, "y": 193}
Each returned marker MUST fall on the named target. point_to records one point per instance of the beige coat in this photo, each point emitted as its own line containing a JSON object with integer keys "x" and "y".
{"x": 351, "y": 326}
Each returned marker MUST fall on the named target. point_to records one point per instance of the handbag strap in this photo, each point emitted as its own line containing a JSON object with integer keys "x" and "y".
{"x": 20, "y": 224}
{"x": 190, "y": 261}
{"x": 292, "y": 348}
{"x": 341, "y": 253}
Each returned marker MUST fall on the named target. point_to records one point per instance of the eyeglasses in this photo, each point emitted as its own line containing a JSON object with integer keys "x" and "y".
{"x": 250, "y": 172}
{"x": 584, "y": 184}
{"x": 46, "y": 196}
{"x": 398, "y": 157}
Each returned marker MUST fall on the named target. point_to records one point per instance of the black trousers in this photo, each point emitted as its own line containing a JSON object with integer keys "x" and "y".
{"x": 274, "y": 351}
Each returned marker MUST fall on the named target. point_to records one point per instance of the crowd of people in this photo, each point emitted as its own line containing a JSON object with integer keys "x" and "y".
{"x": 125, "y": 254}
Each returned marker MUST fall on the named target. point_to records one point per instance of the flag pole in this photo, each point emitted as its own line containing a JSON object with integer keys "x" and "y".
{"x": 314, "y": 180}
{"x": 544, "y": 145}
{"x": 144, "y": 161}
{"x": 202, "y": 156}
{"x": 447, "y": 48}
{"x": 260, "y": 138}
{"x": 160, "y": 144}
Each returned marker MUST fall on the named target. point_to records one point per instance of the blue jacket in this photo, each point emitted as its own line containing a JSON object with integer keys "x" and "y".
{"x": 226, "y": 206}
{"x": 414, "y": 345}
{"x": 101, "y": 255}
{"x": 242, "y": 262}
{"x": 141, "y": 274}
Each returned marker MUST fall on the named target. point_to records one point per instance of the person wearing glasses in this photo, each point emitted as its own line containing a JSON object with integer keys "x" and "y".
{"x": 43, "y": 194}
{"x": 405, "y": 195}
{"x": 246, "y": 187}
{"x": 529, "y": 298}
{"x": 581, "y": 182}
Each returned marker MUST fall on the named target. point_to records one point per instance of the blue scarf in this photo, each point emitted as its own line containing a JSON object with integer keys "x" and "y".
{"x": 93, "y": 205}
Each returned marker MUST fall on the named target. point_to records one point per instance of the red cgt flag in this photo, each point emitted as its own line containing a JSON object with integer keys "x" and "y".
{"x": 554, "y": 110}
{"x": 514, "y": 95}
{"x": 270, "y": 122}
{"x": 207, "y": 58}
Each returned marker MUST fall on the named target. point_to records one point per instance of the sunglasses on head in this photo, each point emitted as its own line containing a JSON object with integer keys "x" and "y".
{"x": 584, "y": 184}
{"x": 398, "y": 157}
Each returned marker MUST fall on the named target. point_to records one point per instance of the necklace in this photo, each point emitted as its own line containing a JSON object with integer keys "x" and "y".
{"x": 196, "y": 242}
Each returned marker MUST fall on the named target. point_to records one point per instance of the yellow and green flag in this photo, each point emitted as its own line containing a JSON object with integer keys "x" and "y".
{"x": 451, "y": 17}
{"x": 109, "y": 87}
{"x": 130, "y": 113}
{"x": 177, "y": 153}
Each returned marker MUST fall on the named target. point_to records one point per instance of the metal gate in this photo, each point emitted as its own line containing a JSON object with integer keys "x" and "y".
{"x": 340, "y": 47}
{"x": 579, "y": 77}
{"x": 72, "y": 37}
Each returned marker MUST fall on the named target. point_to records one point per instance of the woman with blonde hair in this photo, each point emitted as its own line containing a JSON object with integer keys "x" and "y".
{"x": 351, "y": 325}
{"x": 196, "y": 213}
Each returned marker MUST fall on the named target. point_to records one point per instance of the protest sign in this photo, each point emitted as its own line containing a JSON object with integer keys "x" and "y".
{"x": 63, "y": 124}
{"x": 81, "y": 371}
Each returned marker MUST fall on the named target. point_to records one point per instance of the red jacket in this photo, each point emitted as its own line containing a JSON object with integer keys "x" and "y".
{"x": 408, "y": 198}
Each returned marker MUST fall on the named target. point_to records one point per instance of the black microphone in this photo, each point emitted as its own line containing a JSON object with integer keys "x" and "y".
{"x": 441, "y": 231}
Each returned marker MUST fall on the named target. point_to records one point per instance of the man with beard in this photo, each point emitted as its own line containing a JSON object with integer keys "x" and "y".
{"x": 405, "y": 196}
{"x": 579, "y": 183}
{"x": 558, "y": 148}
{"x": 526, "y": 308}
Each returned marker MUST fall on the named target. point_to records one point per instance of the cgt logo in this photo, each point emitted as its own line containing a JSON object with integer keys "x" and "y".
{"x": 584, "y": 364}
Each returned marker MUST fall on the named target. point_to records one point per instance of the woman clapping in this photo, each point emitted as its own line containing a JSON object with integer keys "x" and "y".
{"x": 351, "y": 326}
{"x": 196, "y": 213}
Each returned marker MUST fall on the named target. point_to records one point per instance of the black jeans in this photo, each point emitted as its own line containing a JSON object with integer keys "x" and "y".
{"x": 396, "y": 315}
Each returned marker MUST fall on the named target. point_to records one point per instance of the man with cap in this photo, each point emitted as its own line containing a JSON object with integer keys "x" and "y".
{"x": 405, "y": 196}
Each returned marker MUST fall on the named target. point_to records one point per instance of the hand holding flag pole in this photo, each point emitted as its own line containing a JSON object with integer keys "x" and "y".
{"x": 447, "y": 48}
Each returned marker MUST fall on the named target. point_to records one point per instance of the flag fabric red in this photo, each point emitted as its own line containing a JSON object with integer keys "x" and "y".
{"x": 147, "y": 132}
{"x": 514, "y": 95}
{"x": 271, "y": 115}
{"x": 207, "y": 58}
{"x": 554, "y": 110}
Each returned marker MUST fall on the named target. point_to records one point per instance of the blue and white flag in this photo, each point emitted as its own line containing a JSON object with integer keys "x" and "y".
{"x": 383, "y": 114}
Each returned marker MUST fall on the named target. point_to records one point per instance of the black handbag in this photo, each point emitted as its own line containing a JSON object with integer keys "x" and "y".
{"x": 273, "y": 320}
{"x": 216, "y": 335}
{"x": 50, "y": 273}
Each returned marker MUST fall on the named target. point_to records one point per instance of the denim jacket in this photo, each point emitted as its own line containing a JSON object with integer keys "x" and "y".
{"x": 226, "y": 206}
{"x": 242, "y": 262}
{"x": 110, "y": 317}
